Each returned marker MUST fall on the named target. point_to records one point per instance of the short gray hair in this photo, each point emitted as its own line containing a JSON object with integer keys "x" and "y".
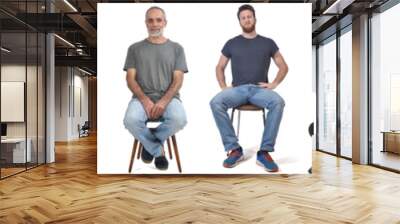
{"x": 156, "y": 7}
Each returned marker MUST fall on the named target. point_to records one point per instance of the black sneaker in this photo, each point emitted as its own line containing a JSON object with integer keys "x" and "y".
{"x": 146, "y": 156}
{"x": 161, "y": 163}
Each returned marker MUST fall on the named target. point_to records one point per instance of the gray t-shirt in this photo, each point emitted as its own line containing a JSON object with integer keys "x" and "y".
{"x": 155, "y": 64}
{"x": 250, "y": 58}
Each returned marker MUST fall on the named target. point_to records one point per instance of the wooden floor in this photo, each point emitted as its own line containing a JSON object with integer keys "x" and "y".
{"x": 70, "y": 191}
{"x": 10, "y": 171}
{"x": 387, "y": 159}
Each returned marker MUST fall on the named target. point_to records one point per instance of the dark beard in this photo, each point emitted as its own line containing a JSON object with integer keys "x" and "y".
{"x": 249, "y": 30}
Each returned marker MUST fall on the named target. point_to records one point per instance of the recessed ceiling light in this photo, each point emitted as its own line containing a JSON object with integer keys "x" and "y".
{"x": 84, "y": 71}
{"x": 338, "y": 6}
{"x": 64, "y": 40}
{"x": 70, "y": 5}
{"x": 5, "y": 50}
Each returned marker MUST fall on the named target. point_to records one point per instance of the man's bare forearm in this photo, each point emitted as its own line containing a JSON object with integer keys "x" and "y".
{"x": 136, "y": 90}
{"x": 282, "y": 66}
{"x": 220, "y": 77}
{"x": 280, "y": 75}
{"x": 173, "y": 88}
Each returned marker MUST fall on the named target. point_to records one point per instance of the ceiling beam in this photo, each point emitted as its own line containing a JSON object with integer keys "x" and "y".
{"x": 84, "y": 24}
{"x": 338, "y": 6}
{"x": 84, "y": 61}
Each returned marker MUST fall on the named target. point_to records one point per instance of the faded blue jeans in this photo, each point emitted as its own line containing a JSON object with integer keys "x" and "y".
{"x": 172, "y": 120}
{"x": 244, "y": 94}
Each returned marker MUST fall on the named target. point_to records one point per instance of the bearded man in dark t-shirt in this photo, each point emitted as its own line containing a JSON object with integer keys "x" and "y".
{"x": 250, "y": 56}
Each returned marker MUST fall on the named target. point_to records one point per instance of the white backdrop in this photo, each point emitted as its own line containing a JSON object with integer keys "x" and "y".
{"x": 202, "y": 30}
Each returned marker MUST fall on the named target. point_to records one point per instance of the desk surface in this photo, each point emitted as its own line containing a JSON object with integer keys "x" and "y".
{"x": 13, "y": 140}
{"x": 391, "y": 132}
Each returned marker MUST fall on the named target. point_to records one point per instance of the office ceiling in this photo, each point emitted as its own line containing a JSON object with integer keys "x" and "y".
{"x": 77, "y": 22}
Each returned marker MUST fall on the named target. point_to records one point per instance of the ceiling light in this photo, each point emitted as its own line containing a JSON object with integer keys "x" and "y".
{"x": 5, "y": 50}
{"x": 64, "y": 40}
{"x": 338, "y": 6}
{"x": 84, "y": 71}
{"x": 70, "y": 5}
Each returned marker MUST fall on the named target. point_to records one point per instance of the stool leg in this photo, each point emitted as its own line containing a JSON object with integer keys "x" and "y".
{"x": 140, "y": 150}
{"x": 263, "y": 116}
{"x": 169, "y": 148}
{"x": 238, "y": 126}
{"x": 232, "y": 116}
{"x": 133, "y": 155}
{"x": 178, "y": 162}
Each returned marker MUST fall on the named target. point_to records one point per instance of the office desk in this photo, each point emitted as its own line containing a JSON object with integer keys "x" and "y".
{"x": 391, "y": 141}
{"x": 15, "y": 148}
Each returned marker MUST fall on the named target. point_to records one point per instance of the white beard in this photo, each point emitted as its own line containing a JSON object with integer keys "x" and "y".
{"x": 156, "y": 33}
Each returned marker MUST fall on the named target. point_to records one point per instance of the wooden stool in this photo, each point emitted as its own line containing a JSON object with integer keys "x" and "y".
{"x": 140, "y": 148}
{"x": 245, "y": 107}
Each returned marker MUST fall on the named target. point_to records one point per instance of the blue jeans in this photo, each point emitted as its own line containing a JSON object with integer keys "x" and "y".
{"x": 244, "y": 94}
{"x": 173, "y": 120}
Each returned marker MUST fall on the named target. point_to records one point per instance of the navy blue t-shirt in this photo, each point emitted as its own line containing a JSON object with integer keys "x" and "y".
{"x": 250, "y": 58}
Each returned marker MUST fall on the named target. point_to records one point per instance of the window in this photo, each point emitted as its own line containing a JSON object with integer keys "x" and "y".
{"x": 385, "y": 89}
{"x": 346, "y": 93}
{"x": 327, "y": 96}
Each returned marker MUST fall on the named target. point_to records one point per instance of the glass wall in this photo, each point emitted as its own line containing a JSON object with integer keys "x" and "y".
{"x": 327, "y": 95}
{"x": 31, "y": 100}
{"x": 385, "y": 88}
{"x": 41, "y": 96}
{"x": 13, "y": 92}
{"x": 346, "y": 93}
{"x": 22, "y": 90}
{"x": 330, "y": 68}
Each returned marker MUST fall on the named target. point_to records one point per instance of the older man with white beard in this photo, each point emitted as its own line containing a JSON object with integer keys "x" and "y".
{"x": 155, "y": 68}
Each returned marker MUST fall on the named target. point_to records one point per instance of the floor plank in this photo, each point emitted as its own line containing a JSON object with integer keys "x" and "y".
{"x": 70, "y": 191}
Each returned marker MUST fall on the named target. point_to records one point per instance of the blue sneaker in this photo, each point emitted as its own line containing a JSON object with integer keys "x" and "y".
{"x": 234, "y": 157}
{"x": 266, "y": 161}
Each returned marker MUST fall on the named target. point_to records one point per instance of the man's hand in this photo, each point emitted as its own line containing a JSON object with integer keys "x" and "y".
{"x": 267, "y": 85}
{"x": 148, "y": 106}
{"x": 225, "y": 87}
{"x": 158, "y": 109}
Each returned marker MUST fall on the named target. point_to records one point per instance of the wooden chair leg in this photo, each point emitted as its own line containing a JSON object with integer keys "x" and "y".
{"x": 238, "y": 125}
{"x": 178, "y": 162}
{"x": 263, "y": 114}
{"x": 169, "y": 148}
{"x": 140, "y": 150}
{"x": 133, "y": 155}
